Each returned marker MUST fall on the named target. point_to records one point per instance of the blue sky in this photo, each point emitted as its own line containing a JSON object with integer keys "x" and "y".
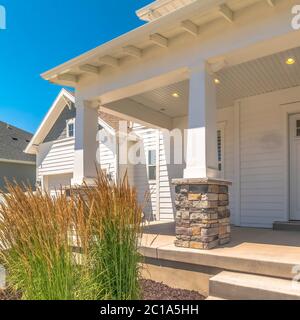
{"x": 41, "y": 34}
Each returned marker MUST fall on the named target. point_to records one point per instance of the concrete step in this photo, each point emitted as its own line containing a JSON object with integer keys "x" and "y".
{"x": 2, "y": 277}
{"x": 214, "y": 298}
{"x": 243, "y": 286}
{"x": 287, "y": 226}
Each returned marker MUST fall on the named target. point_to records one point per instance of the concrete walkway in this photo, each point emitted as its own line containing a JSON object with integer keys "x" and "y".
{"x": 261, "y": 251}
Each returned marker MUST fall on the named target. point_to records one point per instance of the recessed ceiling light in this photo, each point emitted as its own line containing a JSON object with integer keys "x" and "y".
{"x": 290, "y": 61}
{"x": 217, "y": 81}
{"x": 175, "y": 95}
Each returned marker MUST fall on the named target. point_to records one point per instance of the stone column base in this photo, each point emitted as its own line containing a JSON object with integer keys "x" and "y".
{"x": 203, "y": 217}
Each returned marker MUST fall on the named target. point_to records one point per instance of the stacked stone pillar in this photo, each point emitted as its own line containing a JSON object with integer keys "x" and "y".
{"x": 203, "y": 216}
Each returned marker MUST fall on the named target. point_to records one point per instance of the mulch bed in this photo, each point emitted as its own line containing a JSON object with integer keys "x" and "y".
{"x": 151, "y": 291}
{"x": 159, "y": 291}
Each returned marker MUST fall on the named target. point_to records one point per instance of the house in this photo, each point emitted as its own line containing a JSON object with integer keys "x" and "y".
{"x": 15, "y": 165}
{"x": 54, "y": 147}
{"x": 224, "y": 74}
{"x": 54, "y": 143}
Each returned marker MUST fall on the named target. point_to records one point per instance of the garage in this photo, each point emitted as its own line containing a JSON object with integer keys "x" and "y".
{"x": 55, "y": 183}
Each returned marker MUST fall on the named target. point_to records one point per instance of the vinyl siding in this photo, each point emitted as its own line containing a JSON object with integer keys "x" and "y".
{"x": 59, "y": 129}
{"x": 166, "y": 189}
{"x": 147, "y": 189}
{"x": 162, "y": 192}
{"x": 56, "y": 157}
{"x": 262, "y": 155}
{"x": 108, "y": 155}
{"x": 55, "y": 183}
{"x": 170, "y": 171}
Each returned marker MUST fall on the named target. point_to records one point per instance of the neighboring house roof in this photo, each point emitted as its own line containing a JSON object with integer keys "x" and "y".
{"x": 111, "y": 120}
{"x": 64, "y": 97}
{"x": 13, "y": 141}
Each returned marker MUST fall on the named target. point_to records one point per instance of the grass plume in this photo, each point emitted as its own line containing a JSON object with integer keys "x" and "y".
{"x": 38, "y": 233}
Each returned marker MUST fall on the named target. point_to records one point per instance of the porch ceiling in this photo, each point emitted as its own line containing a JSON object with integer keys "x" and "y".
{"x": 263, "y": 75}
{"x": 259, "y": 76}
{"x": 162, "y": 99}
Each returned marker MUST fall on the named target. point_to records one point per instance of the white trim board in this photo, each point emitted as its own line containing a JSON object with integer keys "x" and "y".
{"x": 49, "y": 120}
{"x": 237, "y": 162}
{"x": 288, "y": 109}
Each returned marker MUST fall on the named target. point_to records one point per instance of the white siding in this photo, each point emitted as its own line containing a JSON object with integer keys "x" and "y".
{"x": 262, "y": 161}
{"x": 168, "y": 172}
{"x": 108, "y": 155}
{"x": 54, "y": 183}
{"x": 166, "y": 189}
{"x": 263, "y": 156}
{"x": 56, "y": 157}
{"x": 145, "y": 187}
{"x": 162, "y": 192}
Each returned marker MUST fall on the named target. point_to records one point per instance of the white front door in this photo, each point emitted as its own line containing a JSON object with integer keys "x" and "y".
{"x": 294, "y": 167}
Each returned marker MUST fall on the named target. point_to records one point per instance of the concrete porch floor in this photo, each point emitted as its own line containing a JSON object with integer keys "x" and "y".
{"x": 253, "y": 250}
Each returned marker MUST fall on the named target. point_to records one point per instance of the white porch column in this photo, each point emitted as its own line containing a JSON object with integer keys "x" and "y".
{"x": 201, "y": 154}
{"x": 86, "y": 145}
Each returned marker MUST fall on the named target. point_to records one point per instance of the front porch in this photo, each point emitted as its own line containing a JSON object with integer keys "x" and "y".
{"x": 229, "y": 122}
{"x": 230, "y": 95}
{"x": 273, "y": 256}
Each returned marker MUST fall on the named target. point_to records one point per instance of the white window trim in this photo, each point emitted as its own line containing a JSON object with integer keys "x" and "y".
{"x": 148, "y": 164}
{"x": 288, "y": 108}
{"x": 70, "y": 121}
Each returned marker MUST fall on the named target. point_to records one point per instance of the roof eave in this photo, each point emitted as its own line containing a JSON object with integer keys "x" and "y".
{"x": 125, "y": 39}
{"x": 32, "y": 146}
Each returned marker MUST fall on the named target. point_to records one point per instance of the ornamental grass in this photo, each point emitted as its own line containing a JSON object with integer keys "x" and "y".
{"x": 83, "y": 246}
{"x": 114, "y": 219}
{"x": 34, "y": 231}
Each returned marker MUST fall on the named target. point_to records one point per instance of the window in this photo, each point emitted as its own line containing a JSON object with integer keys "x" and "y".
{"x": 219, "y": 135}
{"x": 71, "y": 128}
{"x": 152, "y": 164}
{"x": 220, "y": 145}
{"x": 297, "y": 128}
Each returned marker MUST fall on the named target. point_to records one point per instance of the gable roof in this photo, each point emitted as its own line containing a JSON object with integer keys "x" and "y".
{"x": 110, "y": 122}
{"x": 63, "y": 98}
{"x": 13, "y": 141}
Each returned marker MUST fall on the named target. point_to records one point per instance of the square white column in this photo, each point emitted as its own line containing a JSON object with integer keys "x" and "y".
{"x": 86, "y": 145}
{"x": 201, "y": 153}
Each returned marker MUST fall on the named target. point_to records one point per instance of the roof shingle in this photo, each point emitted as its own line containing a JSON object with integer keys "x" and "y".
{"x": 13, "y": 142}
